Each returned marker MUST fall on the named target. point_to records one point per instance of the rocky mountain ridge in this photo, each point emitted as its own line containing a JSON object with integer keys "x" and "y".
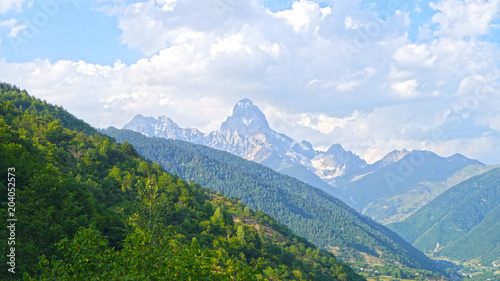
{"x": 342, "y": 173}
{"x": 247, "y": 134}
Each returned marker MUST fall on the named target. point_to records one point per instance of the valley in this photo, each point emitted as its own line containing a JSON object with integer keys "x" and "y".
{"x": 390, "y": 190}
{"x": 258, "y": 140}
{"x": 373, "y": 250}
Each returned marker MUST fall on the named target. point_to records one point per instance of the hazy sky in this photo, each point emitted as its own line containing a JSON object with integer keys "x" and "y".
{"x": 373, "y": 76}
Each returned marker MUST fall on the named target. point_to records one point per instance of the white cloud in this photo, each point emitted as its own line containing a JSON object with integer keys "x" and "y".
{"x": 141, "y": 30}
{"x": 231, "y": 44}
{"x": 406, "y": 89}
{"x": 389, "y": 93}
{"x": 415, "y": 55}
{"x": 7, "y": 5}
{"x": 482, "y": 148}
{"x": 151, "y": 27}
{"x": 461, "y": 18}
{"x": 351, "y": 23}
{"x": 369, "y": 134}
{"x": 325, "y": 12}
{"x": 325, "y": 124}
{"x": 13, "y": 26}
{"x": 347, "y": 82}
{"x": 303, "y": 14}
{"x": 494, "y": 122}
{"x": 167, "y": 5}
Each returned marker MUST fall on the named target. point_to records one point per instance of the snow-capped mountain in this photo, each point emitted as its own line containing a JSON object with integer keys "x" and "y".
{"x": 246, "y": 133}
{"x": 247, "y": 119}
{"x": 336, "y": 162}
{"x": 342, "y": 173}
{"x": 163, "y": 127}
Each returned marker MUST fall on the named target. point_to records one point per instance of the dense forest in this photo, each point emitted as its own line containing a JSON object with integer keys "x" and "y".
{"x": 308, "y": 211}
{"x": 462, "y": 223}
{"x": 88, "y": 208}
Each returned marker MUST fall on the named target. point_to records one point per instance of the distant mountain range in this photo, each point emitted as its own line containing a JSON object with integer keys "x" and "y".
{"x": 395, "y": 191}
{"x": 462, "y": 223}
{"x": 246, "y": 133}
{"x": 388, "y": 190}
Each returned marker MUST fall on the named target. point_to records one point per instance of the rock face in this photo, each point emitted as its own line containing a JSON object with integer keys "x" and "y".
{"x": 247, "y": 119}
{"x": 336, "y": 162}
{"x": 246, "y": 133}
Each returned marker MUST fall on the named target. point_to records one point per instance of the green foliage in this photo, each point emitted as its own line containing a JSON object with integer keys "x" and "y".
{"x": 309, "y": 212}
{"x": 91, "y": 209}
{"x": 88, "y": 256}
{"x": 464, "y": 221}
{"x": 376, "y": 272}
{"x": 13, "y": 97}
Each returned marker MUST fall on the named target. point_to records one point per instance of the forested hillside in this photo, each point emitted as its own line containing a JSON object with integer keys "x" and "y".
{"x": 87, "y": 208}
{"x": 308, "y": 211}
{"x": 461, "y": 223}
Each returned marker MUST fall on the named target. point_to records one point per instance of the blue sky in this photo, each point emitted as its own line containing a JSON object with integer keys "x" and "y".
{"x": 372, "y": 75}
{"x": 80, "y": 30}
{"x": 73, "y": 31}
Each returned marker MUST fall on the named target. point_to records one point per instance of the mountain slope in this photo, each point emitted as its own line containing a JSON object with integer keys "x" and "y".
{"x": 461, "y": 223}
{"x": 26, "y": 104}
{"x": 389, "y": 190}
{"x": 88, "y": 208}
{"x": 397, "y": 207}
{"x": 398, "y": 189}
{"x": 323, "y": 219}
{"x": 246, "y": 133}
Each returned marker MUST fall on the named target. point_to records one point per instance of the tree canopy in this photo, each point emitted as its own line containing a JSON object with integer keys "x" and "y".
{"x": 88, "y": 208}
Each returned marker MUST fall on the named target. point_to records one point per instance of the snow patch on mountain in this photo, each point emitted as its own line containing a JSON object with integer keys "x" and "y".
{"x": 247, "y": 122}
{"x": 246, "y": 133}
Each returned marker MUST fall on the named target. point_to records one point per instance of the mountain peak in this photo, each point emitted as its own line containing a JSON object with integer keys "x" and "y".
{"x": 244, "y": 103}
{"x": 391, "y": 157}
{"x": 167, "y": 121}
{"x": 395, "y": 155}
{"x": 460, "y": 157}
{"x": 246, "y": 107}
{"x": 335, "y": 148}
{"x": 340, "y": 156}
{"x": 247, "y": 119}
{"x": 142, "y": 124}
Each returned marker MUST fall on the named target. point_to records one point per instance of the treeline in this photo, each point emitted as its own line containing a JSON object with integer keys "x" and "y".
{"x": 88, "y": 208}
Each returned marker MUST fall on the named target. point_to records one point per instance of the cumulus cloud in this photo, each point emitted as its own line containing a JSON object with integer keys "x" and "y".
{"x": 8, "y": 5}
{"x": 461, "y": 18}
{"x": 13, "y": 26}
{"x": 303, "y": 14}
{"x": 167, "y": 5}
{"x": 335, "y": 74}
